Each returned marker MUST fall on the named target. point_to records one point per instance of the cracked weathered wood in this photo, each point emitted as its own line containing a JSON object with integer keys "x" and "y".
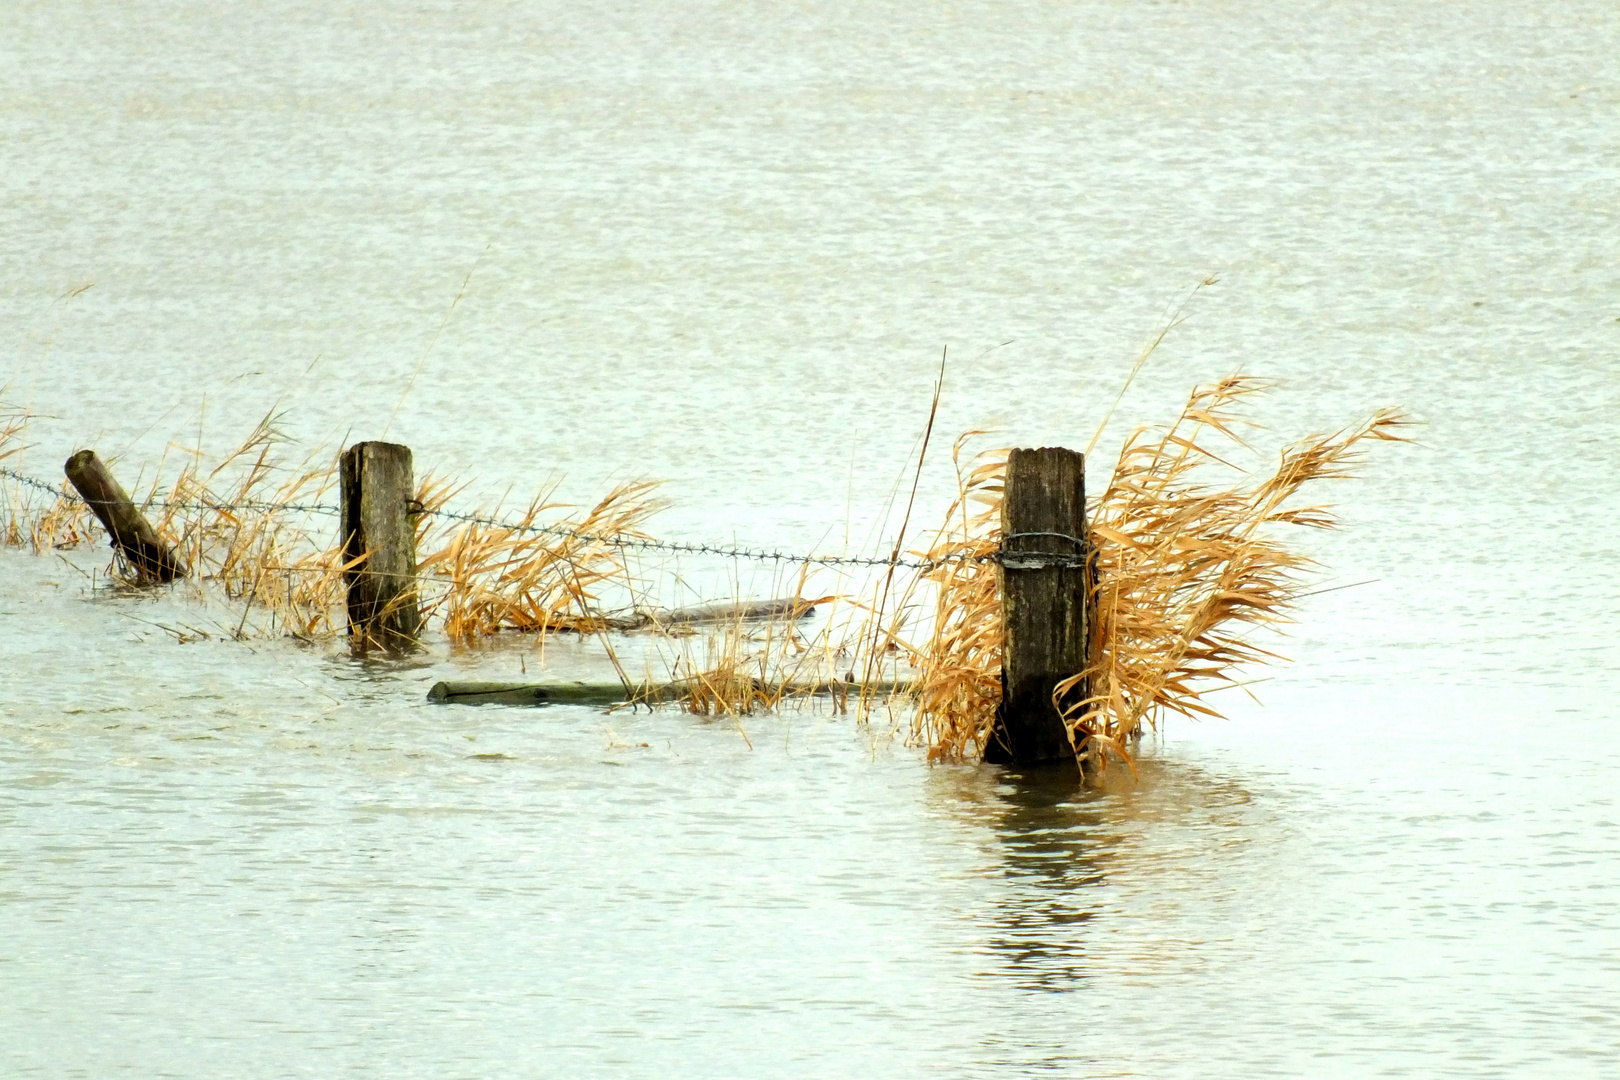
{"x": 378, "y": 525}
{"x": 1043, "y": 521}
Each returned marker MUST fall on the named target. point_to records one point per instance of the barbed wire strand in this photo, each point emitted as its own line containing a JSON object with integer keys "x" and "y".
{"x": 618, "y": 540}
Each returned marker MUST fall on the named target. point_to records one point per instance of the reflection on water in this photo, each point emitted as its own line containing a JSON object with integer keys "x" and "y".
{"x": 1064, "y": 853}
{"x": 1054, "y": 849}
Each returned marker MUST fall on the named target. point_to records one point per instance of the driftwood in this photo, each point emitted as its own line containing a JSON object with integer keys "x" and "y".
{"x": 792, "y": 607}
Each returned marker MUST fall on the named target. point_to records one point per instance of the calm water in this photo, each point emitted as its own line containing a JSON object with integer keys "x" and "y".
{"x": 723, "y": 245}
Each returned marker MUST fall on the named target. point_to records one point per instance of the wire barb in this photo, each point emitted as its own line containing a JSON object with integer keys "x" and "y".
{"x": 34, "y": 482}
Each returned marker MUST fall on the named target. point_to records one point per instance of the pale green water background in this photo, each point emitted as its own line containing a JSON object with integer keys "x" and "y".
{"x": 723, "y": 245}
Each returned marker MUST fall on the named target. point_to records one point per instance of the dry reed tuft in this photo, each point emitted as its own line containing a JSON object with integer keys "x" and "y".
{"x": 1185, "y": 572}
{"x": 237, "y": 529}
{"x": 482, "y": 578}
{"x": 43, "y": 523}
{"x": 959, "y": 685}
{"x": 733, "y": 678}
{"x": 245, "y": 529}
{"x": 751, "y": 664}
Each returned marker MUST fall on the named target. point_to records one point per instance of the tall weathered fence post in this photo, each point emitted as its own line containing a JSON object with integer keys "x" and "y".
{"x": 1043, "y": 588}
{"x": 133, "y": 536}
{"x": 377, "y": 524}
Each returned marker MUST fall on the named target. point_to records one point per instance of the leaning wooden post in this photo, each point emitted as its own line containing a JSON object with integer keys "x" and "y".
{"x": 1043, "y": 589}
{"x": 378, "y": 530}
{"x": 132, "y": 535}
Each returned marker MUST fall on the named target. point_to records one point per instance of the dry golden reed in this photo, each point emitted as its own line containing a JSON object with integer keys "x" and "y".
{"x": 243, "y": 529}
{"x": 234, "y": 528}
{"x": 749, "y": 664}
{"x": 480, "y": 578}
{"x": 42, "y": 522}
{"x": 959, "y": 685}
{"x": 1185, "y": 572}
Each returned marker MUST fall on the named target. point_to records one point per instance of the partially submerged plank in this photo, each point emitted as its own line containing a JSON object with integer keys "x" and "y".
{"x": 512, "y": 693}
{"x": 614, "y": 693}
{"x": 791, "y": 608}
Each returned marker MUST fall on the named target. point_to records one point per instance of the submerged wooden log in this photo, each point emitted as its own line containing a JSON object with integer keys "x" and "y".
{"x": 132, "y": 535}
{"x": 1044, "y": 598}
{"x": 613, "y": 693}
{"x": 512, "y": 693}
{"x": 791, "y": 607}
{"x": 379, "y": 531}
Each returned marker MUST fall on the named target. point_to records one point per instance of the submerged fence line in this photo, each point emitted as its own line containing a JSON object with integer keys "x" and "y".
{"x": 618, "y": 540}
{"x": 1052, "y": 625}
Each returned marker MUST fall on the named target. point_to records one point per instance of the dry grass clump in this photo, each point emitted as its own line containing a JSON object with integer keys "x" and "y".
{"x": 734, "y": 677}
{"x": 42, "y": 521}
{"x": 239, "y": 527}
{"x": 1185, "y": 572}
{"x": 482, "y": 578}
{"x": 62, "y": 524}
{"x": 749, "y": 664}
{"x": 258, "y": 532}
{"x": 959, "y": 688}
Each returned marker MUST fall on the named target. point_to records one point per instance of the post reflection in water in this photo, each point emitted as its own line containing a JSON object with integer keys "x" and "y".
{"x": 1050, "y": 853}
{"x": 1065, "y": 856}
{"x": 1049, "y": 827}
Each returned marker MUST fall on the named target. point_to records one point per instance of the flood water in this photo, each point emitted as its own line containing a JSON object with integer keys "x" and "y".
{"x": 723, "y": 245}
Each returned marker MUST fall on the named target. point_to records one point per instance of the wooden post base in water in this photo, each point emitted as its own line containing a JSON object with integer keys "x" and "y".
{"x": 379, "y": 530}
{"x": 1043, "y": 588}
{"x": 132, "y": 535}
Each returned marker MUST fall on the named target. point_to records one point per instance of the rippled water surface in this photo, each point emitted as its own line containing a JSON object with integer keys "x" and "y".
{"x": 723, "y": 245}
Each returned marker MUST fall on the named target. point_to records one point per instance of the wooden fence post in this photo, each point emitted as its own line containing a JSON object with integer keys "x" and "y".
{"x": 1043, "y": 588}
{"x": 132, "y": 535}
{"x": 377, "y": 524}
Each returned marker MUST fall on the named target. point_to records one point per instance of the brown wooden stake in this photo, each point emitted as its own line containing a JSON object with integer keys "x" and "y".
{"x": 132, "y": 535}
{"x": 380, "y": 531}
{"x": 1043, "y": 588}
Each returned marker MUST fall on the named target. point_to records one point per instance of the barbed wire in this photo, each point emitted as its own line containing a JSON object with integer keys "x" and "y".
{"x": 252, "y": 504}
{"x": 621, "y": 541}
{"x": 261, "y": 505}
{"x": 634, "y": 542}
{"x": 679, "y": 547}
{"x": 34, "y": 482}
